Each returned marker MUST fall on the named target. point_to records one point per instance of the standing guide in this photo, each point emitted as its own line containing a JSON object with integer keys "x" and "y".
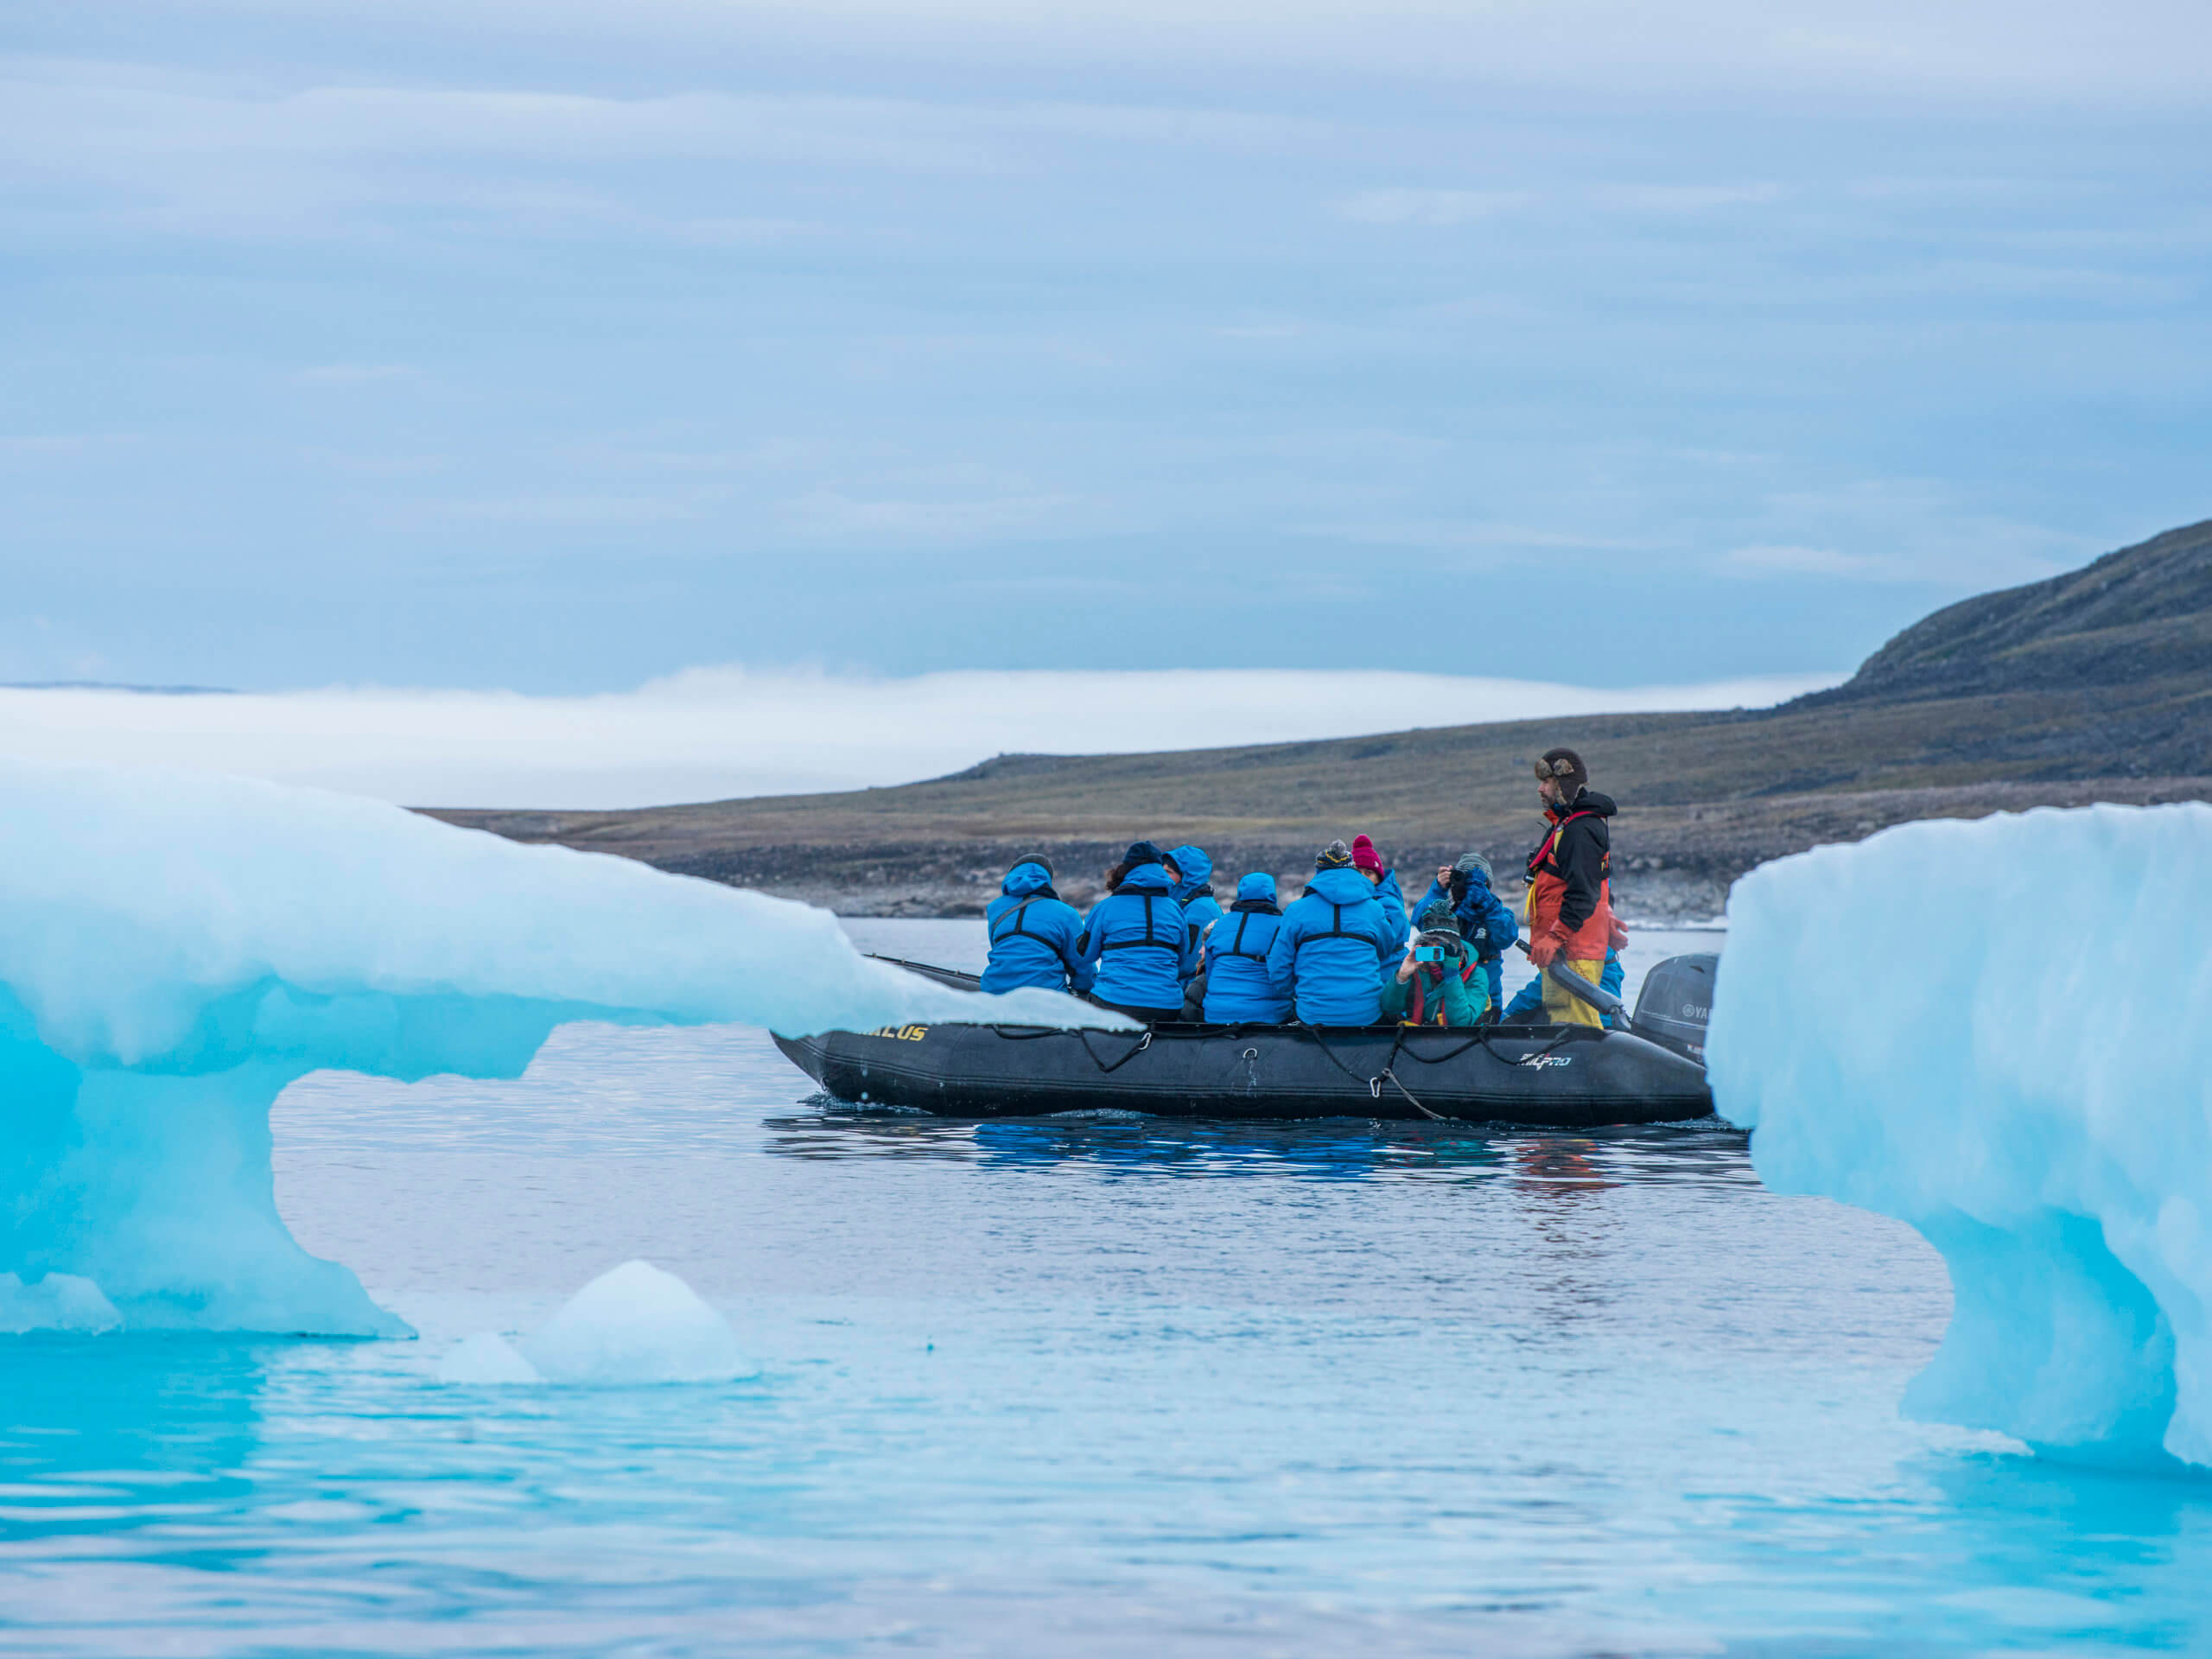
{"x": 1570, "y": 903}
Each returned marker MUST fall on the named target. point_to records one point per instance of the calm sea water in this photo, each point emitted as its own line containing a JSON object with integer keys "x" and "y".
{"x": 1070, "y": 1386}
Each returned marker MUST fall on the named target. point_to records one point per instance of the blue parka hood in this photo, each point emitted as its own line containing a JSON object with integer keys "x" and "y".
{"x": 1387, "y": 894}
{"x": 1197, "y": 870}
{"x": 1258, "y": 884}
{"x": 1344, "y": 887}
{"x": 1024, "y": 879}
{"x": 1200, "y": 908}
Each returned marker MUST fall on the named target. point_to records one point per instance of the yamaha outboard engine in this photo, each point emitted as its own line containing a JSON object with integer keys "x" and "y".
{"x": 1674, "y": 1004}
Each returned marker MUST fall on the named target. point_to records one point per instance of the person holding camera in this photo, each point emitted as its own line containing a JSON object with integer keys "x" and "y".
{"x": 1485, "y": 922}
{"x": 1440, "y": 982}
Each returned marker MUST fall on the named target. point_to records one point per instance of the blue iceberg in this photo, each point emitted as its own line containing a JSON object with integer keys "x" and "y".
{"x": 176, "y": 949}
{"x": 2001, "y": 1032}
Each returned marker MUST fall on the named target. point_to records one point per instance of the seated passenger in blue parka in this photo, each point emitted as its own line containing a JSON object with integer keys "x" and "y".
{"x": 1238, "y": 989}
{"x": 1335, "y": 942}
{"x": 1137, "y": 937}
{"x": 1033, "y": 933}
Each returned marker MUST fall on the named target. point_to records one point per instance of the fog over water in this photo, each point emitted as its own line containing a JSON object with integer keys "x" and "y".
{"x": 711, "y": 734}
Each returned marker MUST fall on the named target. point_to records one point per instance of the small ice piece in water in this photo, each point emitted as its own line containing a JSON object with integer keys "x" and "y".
{"x": 59, "y": 1302}
{"x": 488, "y": 1357}
{"x": 636, "y": 1324}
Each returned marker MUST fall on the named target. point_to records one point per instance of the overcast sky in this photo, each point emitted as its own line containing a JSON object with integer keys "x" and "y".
{"x": 560, "y": 347}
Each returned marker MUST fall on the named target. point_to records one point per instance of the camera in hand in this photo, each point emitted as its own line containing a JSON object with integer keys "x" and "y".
{"x": 1428, "y": 953}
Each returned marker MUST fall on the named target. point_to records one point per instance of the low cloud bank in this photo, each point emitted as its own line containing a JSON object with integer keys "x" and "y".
{"x": 711, "y": 734}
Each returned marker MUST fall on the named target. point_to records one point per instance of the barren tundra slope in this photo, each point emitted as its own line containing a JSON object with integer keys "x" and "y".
{"x": 2095, "y": 685}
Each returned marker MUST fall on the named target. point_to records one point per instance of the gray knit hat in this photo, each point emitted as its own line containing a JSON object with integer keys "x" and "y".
{"x": 1474, "y": 863}
{"x": 1334, "y": 856}
{"x": 1437, "y": 917}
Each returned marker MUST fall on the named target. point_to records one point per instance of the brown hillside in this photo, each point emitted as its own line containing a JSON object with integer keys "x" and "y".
{"x": 2008, "y": 701}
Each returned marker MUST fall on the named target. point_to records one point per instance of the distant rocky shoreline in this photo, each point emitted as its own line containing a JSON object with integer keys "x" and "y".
{"x": 2087, "y": 687}
{"x": 957, "y": 880}
{"x": 1672, "y": 865}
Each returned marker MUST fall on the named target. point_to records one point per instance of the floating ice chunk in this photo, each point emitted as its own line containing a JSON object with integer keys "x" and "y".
{"x": 59, "y": 1301}
{"x": 2001, "y": 1032}
{"x": 636, "y": 1324}
{"x": 488, "y": 1357}
{"x": 175, "y": 949}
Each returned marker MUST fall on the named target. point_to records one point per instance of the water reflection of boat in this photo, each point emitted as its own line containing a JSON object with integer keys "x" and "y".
{"x": 1553, "y": 1076}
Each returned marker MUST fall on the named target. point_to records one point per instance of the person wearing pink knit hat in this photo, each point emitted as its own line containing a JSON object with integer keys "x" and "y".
{"x": 1368, "y": 863}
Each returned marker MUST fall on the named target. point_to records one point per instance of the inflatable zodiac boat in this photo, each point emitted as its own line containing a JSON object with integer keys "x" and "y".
{"x": 1557, "y": 1077}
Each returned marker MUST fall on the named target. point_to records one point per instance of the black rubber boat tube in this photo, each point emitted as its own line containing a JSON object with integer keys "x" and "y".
{"x": 1604, "y": 1000}
{"x": 1557, "y": 1077}
{"x": 1388, "y": 1071}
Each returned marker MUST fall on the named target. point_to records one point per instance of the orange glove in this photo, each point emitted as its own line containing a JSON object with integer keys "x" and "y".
{"x": 1545, "y": 951}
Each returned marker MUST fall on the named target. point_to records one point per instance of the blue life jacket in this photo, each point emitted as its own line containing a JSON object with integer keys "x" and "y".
{"x": 1034, "y": 936}
{"x": 1136, "y": 935}
{"x": 1331, "y": 951}
{"x": 1238, "y": 989}
{"x": 1193, "y": 892}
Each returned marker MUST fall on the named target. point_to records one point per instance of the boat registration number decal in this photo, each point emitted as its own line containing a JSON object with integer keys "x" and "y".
{"x": 900, "y": 1033}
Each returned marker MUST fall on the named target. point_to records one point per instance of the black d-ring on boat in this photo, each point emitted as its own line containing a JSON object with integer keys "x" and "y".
{"x": 1559, "y": 1077}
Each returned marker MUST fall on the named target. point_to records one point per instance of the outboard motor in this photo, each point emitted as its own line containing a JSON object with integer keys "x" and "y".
{"x": 1674, "y": 1004}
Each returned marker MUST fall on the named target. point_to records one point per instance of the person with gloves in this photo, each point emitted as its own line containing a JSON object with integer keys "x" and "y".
{"x": 1439, "y": 982}
{"x": 1033, "y": 933}
{"x": 1527, "y": 1007}
{"x": 1238, "y": 990}
{"x": 1136, "y": 936}
{"x": 1486, "y": 923}
{"x": 1193, "y": 872}
{"x": 1368, "y": 863}
{"x": 1331, "y": 952}
{"x": 1570, "y": 892}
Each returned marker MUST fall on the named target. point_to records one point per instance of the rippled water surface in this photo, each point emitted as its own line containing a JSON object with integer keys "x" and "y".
{"x": 1068, "y": 1386}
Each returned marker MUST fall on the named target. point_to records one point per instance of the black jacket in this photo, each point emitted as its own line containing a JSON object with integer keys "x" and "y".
{"x": 1582, "y": 857}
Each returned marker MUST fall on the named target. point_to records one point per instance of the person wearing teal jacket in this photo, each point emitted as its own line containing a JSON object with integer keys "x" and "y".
{"x": 1448, "y": 989}
{"x": 1485, "y": 922}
